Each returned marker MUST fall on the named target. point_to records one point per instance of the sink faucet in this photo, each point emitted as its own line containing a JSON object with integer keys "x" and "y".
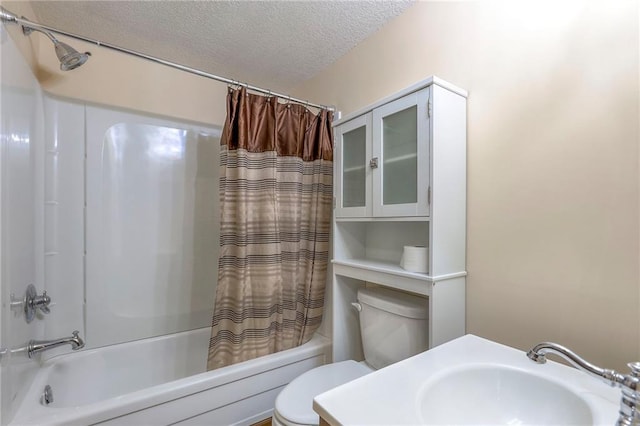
{"x": 36, "y": 346}
{"x": 630, "y": 383}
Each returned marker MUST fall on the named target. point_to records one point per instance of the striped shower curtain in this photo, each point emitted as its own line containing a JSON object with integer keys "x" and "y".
{"x": 276, "y": 199}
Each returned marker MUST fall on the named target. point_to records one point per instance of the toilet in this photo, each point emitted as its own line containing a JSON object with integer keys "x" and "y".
{"x": 393, "y": 326}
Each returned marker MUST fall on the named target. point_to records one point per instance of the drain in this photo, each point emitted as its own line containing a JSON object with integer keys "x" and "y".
{"x": 47, "y": 395}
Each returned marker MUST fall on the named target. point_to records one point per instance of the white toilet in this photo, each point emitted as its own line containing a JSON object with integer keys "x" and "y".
{"x": 393, "y": 326}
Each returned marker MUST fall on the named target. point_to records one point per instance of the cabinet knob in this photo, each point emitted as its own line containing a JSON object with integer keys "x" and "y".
{"x": 373, "y": 163}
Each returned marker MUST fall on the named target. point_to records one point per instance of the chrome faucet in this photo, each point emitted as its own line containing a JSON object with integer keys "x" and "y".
{"x": 37, "y": 346}
{"x": 630, "y": 383}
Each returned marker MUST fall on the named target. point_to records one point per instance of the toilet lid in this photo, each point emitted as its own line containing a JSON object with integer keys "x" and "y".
{"x": 295, "y": 402}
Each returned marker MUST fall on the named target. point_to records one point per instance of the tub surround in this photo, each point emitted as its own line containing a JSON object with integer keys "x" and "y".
{"x": 392, "y": 395}
{"x": 21, "y": 230}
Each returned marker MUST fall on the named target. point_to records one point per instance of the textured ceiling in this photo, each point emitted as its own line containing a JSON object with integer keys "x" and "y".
{"x": 277, "y": 44}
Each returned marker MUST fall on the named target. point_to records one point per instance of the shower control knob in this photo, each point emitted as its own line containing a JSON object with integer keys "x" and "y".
{"x": 32, "y": 303}
{"x": 42, "y": 303}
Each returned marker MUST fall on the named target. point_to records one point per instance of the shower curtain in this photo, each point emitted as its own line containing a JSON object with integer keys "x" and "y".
{"x": 276, "y": 176}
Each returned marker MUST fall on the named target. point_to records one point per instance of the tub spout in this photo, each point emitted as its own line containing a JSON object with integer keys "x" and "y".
{"x": 36, "y": 346}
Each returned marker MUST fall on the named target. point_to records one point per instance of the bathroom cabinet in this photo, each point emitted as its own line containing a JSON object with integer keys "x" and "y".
{"x": 383, "y": 160}
{"x": 400, "y": 180}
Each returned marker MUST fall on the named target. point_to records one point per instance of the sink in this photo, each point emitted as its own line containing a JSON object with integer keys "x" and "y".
{"x": 499, "y": 395}
{"x": 471, "y": 380}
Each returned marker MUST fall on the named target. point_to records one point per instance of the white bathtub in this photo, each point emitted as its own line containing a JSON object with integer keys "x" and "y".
{"x": 162, "y": 381}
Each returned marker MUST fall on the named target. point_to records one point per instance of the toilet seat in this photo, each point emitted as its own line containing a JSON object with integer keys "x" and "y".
{"x": 294, "y": 405}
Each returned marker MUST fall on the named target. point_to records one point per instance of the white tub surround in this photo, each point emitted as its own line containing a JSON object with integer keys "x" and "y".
{"x": 21, "y": 216}
{"x": 453, "y": 372}
{"x": 152, "y": 228}
{"x": 163, "y": 381}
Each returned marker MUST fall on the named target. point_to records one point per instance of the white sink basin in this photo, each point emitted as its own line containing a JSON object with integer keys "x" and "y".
{"x": 471, "y": 380}
{"x": 499, "y": 395}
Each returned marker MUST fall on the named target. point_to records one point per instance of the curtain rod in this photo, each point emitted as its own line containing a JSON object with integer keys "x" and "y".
{"x": 7, "y": 16}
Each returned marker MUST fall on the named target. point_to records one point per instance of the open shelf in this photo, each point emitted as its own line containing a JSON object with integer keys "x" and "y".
{"x": 391, "y": 275}
{"x": 383, "y": 219}
{"x": 384, "y": 273}
{"x": 383, "y": 267}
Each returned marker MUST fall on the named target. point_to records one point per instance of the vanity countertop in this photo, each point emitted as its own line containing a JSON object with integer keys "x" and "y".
{"x": 395, "y": 394}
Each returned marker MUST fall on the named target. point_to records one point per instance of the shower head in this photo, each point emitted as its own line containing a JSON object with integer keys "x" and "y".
{"x": 69, "y": 57}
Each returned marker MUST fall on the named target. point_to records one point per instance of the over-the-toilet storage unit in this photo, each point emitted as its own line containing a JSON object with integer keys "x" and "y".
{"x": 400, "y": 180}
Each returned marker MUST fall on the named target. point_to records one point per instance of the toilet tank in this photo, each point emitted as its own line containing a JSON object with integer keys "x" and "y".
{"x": 394, "y": 325}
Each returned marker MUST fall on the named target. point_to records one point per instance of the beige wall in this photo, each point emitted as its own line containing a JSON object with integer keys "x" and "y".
{"x": 553, "y": 217}
{"x": 552, "y": 246}
{"x": 116, "y": 79}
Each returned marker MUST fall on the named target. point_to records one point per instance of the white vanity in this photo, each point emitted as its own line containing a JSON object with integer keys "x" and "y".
{"x": 471, "y": 380}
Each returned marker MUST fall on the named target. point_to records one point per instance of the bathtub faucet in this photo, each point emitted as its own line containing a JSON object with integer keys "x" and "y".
{"x": 37, "y": 346}
{"x": 630, "y": 383}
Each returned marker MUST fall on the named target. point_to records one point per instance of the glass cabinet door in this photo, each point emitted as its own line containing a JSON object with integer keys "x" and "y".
{"x": 400, "y": 157}
{"x": 353, "y": 181}
{"x": 401, "y": 149}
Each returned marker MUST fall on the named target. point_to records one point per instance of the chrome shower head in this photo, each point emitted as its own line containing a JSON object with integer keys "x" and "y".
{"x": 69, "y": 57}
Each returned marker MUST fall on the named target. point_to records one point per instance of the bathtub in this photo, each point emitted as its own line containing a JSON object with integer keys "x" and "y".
{"x": 160, "y": 381}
